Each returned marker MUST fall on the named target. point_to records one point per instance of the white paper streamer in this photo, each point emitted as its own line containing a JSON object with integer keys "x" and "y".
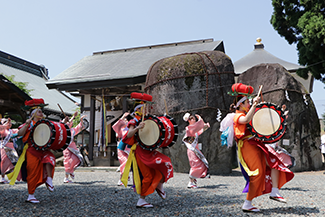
{"x": 305, "y": 99}
{"x": 219, "y": 115}
{"x": 287, "y": 95}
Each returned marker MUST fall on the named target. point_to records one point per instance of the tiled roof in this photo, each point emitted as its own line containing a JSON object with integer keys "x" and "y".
{"x": 18, "y": 63}
{"x": 126, "y": 63}
{"x": 36, "y": 83}
{"x": 258, "y": 56}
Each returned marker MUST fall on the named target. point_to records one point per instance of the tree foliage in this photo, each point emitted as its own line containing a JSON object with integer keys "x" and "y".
{"x": 76, "y": 120}
{"x": 303, "y": 22}
{"x": 21, "y": 85}
{"x": 16, "y": 120}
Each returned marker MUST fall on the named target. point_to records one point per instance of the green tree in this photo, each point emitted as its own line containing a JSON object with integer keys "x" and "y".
{"x": 20, "y": 85}
{"x": 16, "y": 119}
{"x": 76, "y": 120}
{"x": 303, "y": 22}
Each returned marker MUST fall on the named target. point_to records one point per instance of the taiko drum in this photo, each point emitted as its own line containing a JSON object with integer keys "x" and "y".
{"x": 158, "y": 132}
{"x": 47, "y": 134}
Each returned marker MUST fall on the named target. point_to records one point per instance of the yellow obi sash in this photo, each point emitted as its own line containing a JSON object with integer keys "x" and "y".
{"x": 241, "y": 159}
{"x": 136, "y": 177}
{"x": 13, "y": 175}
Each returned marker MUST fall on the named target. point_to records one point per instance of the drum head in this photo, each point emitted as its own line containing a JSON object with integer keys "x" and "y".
{"x": 266, "y": 121}
{"x": 152, "y": 135}
{"x": 149, "y": 135}
{"x": 42, "y": 134}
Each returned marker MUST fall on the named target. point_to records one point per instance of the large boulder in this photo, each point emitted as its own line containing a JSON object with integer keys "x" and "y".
{"x": 302, "y": 137}
{"x": 196, "y": 83}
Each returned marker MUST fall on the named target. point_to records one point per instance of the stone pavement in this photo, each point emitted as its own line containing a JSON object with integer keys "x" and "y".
{"x": 95, "y": 193}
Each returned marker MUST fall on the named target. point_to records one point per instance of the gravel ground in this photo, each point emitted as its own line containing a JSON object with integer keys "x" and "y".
{"x": 95, "y": 193}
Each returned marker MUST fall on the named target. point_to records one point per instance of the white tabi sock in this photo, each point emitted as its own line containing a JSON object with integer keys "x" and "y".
{"x": 275, "y": 193}
{"x": 160, "y": 186}
{"x": 31, "y": 196}
{"x": 141, "y": 202}
{"x": 248, "y": 206}
{"x": 49, "y": 181}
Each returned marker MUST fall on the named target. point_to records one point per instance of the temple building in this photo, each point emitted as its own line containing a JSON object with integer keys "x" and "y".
{"x": 104, "y": 82}
{"x": 34, "y": 76}
{"x": 260, "y": 55}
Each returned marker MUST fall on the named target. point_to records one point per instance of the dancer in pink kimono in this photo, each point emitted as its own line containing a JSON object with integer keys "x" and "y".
{"x": 9, "y": 156}
{"x": 199, "y": 164}
{"x": 72, "y": 156}
{"x": 122, "y": 150}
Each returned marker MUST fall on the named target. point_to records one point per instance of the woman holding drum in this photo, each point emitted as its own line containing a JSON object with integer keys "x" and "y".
{"x": 263, "y": 171}
{"x": 154, "y": 167}
{"x": 39, "y": 164}
{"x": 199, "y": 164}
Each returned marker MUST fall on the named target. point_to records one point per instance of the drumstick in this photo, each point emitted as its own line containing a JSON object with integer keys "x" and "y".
{"x": 144, "y": 110}
{"x": 166, "y": 107}
{"x": 259, "y": 91}
{"x": 62, "y": 110}
{"x": 34, "y": 114}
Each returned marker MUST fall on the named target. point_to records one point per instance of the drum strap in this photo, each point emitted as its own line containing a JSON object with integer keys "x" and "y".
{"x": 13, "y": 175}
{"x": 241, "y": 159}
{"x": 136, "y": 176}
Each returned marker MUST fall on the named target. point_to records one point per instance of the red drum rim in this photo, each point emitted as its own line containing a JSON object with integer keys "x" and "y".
{"x": 51, "y": 139}
{"x": 281, "y": 127}
{"x": 160, "y": 138}
{"x": 162, "y": 133}
{"x": 172, "y": 120}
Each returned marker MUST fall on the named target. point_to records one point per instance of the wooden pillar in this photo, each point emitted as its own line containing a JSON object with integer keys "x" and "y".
{"x": 124, "y": 104}
{"x": 82, "y": 104}
{"x": 92, "y": 127}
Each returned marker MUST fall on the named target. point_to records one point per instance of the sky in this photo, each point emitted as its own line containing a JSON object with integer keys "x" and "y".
{"x": 59, "y": 33}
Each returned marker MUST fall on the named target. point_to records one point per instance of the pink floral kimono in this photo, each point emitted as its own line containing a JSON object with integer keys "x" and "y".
{"x": 72, "y": 156}
{"x": 122, "y": 151}
{"x": 9, "y": 156}
{"x": 199, "y": 164}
